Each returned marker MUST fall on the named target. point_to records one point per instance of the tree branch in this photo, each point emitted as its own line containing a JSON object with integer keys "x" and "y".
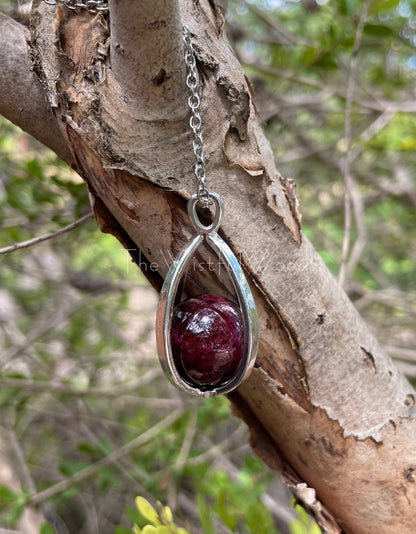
{"x": 282, "y": 34}
{"x": 22, "y": 99}
{"x": 116, "y": 390}
{"x": 352, "y": 197}
{"x": 146, "y": 55}
{"x": 113, "y": 457}
{"x": 51, "y": 235}
{"x": 324, "y": 402}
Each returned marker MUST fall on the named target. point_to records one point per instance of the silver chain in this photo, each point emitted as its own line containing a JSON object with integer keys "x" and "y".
{"x": 192, "y": 82}
{"x": 195, "y": 122}
{"x": 94, "y": 6}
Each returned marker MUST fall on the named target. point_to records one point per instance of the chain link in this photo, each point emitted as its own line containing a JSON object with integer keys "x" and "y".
{"x": 94, "y": 6}
{"x": 195, "y": 122}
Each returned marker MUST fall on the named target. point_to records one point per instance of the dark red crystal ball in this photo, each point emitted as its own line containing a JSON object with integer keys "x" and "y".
{"x": 207, "y": 339}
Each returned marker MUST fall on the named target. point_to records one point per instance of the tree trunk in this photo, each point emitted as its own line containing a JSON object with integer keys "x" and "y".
{"x": 324, "y": 403}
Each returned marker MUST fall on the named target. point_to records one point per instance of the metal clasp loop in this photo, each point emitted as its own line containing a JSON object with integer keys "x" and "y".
{"x": 215, "y": 199}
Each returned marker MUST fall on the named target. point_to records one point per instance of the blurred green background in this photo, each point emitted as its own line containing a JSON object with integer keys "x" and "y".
{"x": 87, "y": 420}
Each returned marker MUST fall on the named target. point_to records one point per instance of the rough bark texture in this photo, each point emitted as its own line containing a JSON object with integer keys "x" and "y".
{"x": 325, "y": 403}
{"x": 23, "y": 100}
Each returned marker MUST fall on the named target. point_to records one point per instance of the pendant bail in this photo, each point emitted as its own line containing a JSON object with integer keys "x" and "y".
{"x": 213, "y": 199}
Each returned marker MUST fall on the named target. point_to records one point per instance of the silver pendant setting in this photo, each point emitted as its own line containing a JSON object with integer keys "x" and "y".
{"x": 167, "y": 303}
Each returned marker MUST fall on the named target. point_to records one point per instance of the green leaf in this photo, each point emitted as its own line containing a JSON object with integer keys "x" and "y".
{"x": 305, "y": 524}
{"x": 310, "y": 54}
{"x": 163, "y": 530}
{"x": 166, "y": 515}
{"x": 70, "y": 467}
{"x": 205, "y": 516}
{"x": 7, "y": 398}
{"x": 224, "y": 511}
{"x": 259, "y": 519}
{"x": 383, "y": 5}
{"x": 88, "y": 448}
{"x": 378, "y": 30}
{"x": 119, "y": 529}
{"x": 253, "y": 464}
{"x": 134, "y": 515}
{"x": 17, "y": 511}
{"x": 149, "y": 529}
{"x": 46, "y": 528}
{"x": 297, "y": 527}
{"x": 346, "y": 7}
{"x": 7, "y": 497}
{"x": 314, "y": 529}
{"x": 147, "y": 510}
{"x": 34, "y": 168}
{"x": 12, "y": 504}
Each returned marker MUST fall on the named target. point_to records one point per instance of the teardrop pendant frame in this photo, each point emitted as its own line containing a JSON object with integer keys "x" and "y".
{"x": 241, "y": 287}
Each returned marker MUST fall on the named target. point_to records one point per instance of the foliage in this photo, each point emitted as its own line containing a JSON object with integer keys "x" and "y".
{"x": 79, "y": 379}
{"x": 160, "y": 520}
{"x": 304, "y": 523}
{"x": 238, "y": 503}
{"x": 156, "y": 522}
{"x": 77, "y": 325}
{"x": 299, "y": 56}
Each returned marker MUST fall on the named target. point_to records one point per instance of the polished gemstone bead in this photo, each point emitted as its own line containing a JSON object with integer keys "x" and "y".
{"x": 207, "y": 338}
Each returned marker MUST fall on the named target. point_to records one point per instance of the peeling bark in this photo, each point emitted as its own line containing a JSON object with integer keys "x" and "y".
{"x": 325, "y": 404}
{"x": 22, "y": 98}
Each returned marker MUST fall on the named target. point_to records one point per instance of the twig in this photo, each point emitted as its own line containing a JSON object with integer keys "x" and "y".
{"x": 189, "y": 438}
{"x": 57, "y": 387}
{"x": 390, "y": 298}
{"x": 406, "y": 368}
{"x": 53, "y": 321}
{"x": 26, "y": 479}
{"x": 336, "y": 208}
{"x": 116, "y": 455}
{"x": 48, "y": 511}
{"x": 369, "y": 105}
{"x": 128, "y": 471}
{"x": 360, "y": 242}
{"x": 382, "y": 120}
{"x": 401, "y": 353}
{"x": 91, "y": 522}
{"x": 183, "y": 455}
{"x": 348, "y": 178}
{"x": 285, "y": 37}
{"x": 213, "y": 452}
{"x": 77, "y": 417}
{"x": 219, "y": 448}
{"x": 23, "y": 477}
{"x": 356, "y": 197}
{"x": 51, "y": 235}
{"x": 311, "y": 145}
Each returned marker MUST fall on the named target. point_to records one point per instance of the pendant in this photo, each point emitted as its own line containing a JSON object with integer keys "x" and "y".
{"x": 207, "y": 345}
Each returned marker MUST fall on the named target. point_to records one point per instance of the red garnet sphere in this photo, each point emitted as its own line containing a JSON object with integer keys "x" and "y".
{"x": 207, "y": 339}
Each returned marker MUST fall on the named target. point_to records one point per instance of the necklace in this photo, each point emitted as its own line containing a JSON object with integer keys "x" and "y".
{"x": 93, "y": 6}
{"x": 207, "y": 345}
